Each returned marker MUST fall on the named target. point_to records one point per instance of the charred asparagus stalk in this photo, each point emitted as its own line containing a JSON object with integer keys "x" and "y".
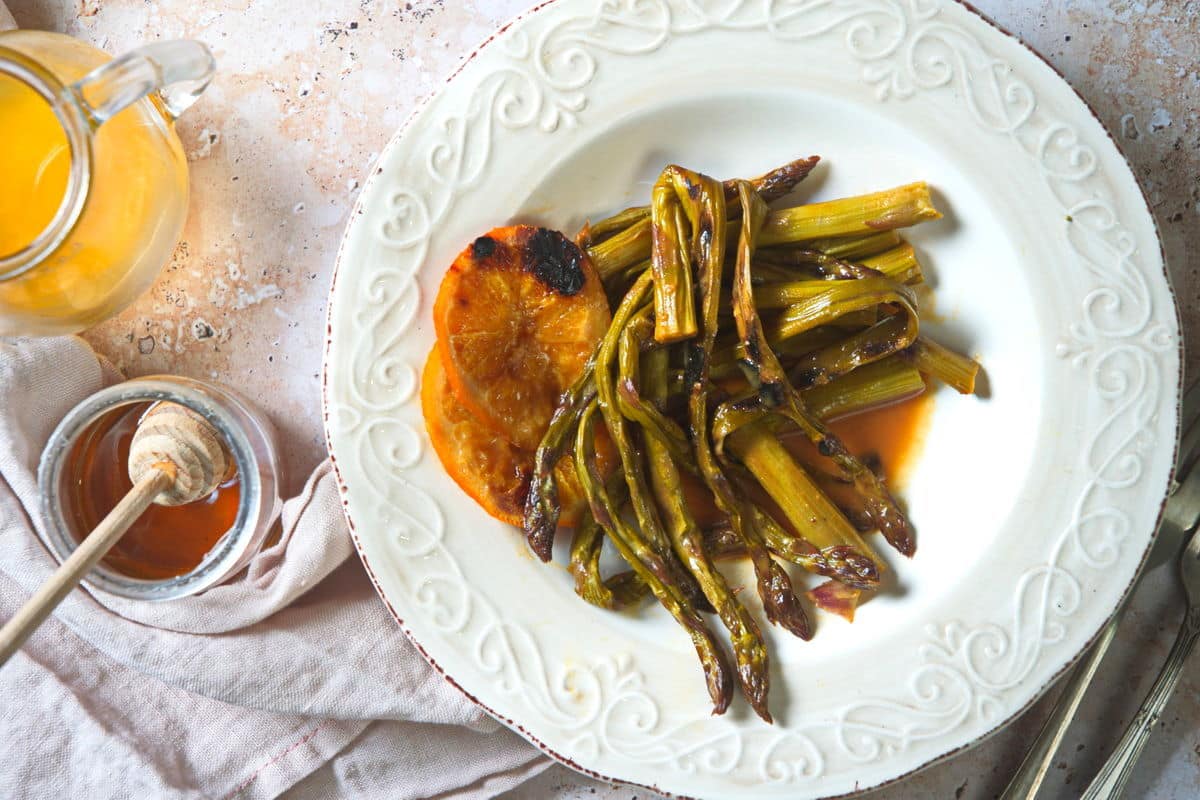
{"x": 856, "y": 217}
{"x": 758, "y": 362}
{"x": 542, "y": 508}
{"x": 817, "y": 319}
{"x": 956, "y": 371}
{"x": 749, "y": 650}
{"x": 884, "y": 510}
{"x": 649, "y": 566}
{"x": 674, "y": 306}
{"x": 645, "y": 413}
{"x": 706, "y": 201}
{"x": 763, "y": 369}
{"x": 584, "y": 563}
{"x": 805, "y": 506}
{"x": 770, "y": 186}
{"x": 888, "y": 381}
{"x": 900, "y": 207}
{"x": 635, "y": 312}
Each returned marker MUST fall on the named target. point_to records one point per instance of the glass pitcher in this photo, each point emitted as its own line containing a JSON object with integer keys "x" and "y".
{"x": 93, "y": 179}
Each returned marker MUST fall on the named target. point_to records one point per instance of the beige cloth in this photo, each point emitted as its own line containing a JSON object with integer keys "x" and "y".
{"x": 292, "y": 677}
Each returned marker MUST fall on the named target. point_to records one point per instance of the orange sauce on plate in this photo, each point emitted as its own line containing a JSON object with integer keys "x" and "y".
{"x": 894, "y": 434}
{"x": 165, "y": 541}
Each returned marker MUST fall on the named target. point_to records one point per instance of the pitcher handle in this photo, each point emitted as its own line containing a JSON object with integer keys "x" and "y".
{"x": 178, "y": 70}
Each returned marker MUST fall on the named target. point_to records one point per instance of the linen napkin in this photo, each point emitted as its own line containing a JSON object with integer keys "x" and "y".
{"x": 291, "y": 677}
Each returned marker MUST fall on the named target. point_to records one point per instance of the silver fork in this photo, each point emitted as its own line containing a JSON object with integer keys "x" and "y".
{"x": 1029, "y": 775}
{"x": 1185, "y": 513}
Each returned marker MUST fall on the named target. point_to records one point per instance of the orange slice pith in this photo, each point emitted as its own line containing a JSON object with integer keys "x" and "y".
{"x": 517, "y": 315}
{"x": 492, "y": 470}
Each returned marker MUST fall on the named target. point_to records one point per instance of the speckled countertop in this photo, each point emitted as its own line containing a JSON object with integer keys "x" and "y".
{"x": 310, "y": 91}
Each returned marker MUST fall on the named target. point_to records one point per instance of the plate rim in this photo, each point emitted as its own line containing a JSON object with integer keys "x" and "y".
{"x": 373, "y": 173}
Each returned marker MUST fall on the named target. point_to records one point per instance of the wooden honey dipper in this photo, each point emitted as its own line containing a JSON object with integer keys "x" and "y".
{"x": 176, "y": 457}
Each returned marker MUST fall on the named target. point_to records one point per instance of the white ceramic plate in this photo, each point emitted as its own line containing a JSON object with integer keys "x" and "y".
{"x": 1034, "y": 505}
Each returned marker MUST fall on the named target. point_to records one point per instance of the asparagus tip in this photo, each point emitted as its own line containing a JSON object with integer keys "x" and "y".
{"x": 895, "y": 528}
{"x": 782, "y": 607}
{"x": 755, "y": 683}
{"x": 720, "y": 688}
{"x": 847, "y": 565}
{"x": 539, "y": 528}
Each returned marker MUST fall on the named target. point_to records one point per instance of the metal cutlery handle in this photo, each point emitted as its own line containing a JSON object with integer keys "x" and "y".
{"x": 1110, "y": 782}
{"x": 1029, "y": 776}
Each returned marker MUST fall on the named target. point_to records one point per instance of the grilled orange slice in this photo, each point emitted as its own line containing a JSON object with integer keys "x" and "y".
{"x": 517, "y": 315}
{"x": 492, "y": 470}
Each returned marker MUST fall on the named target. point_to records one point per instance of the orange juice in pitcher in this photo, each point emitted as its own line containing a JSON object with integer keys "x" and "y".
{"x": 34, "y": 163}
{"x": 93, "y": 180}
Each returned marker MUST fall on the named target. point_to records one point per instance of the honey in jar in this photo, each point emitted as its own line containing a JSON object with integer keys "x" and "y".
{"x": 165, "y": 541}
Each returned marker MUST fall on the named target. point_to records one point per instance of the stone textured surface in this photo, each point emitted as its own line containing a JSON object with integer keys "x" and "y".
{"x": 309, "y": 92}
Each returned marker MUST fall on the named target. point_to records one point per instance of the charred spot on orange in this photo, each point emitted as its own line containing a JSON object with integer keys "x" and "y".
{"x": 517, "y": 315}
{"x": 546, "y": 254}
{"x": 555, "y": 260}
{"x": 483, "y": 247}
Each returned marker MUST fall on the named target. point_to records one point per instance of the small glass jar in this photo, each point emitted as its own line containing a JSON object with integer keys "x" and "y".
{"x": 251, "y": 441}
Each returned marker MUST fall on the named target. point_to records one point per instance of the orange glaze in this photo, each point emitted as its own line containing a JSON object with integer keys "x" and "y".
{"x": 894, "y": 433}
{"x": 166, "y": 540}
